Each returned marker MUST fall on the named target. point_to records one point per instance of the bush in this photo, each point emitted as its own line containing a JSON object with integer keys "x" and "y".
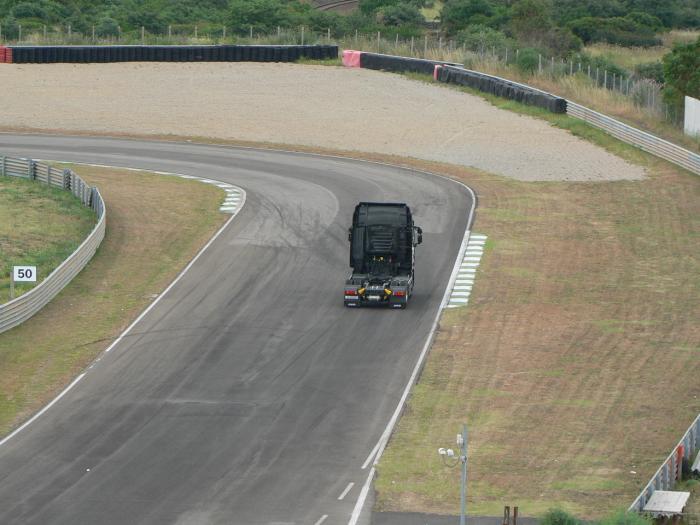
{"x": 10, "y": 28}
{"x": 481, "y": 38}
{"x": 624, "y": 31}
{"x": 623, "y": 517}
{"x": 558, "y": 517}
{"x": 682, "y": 73}
{"x": 651, "y": 70}
{"x": 107, "y": 27}
{"x": 400, "y": 15}
{"x": 528, "y": 60}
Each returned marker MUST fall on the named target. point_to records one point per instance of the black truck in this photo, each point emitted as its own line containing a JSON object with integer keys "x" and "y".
{"x": 382, "y": 243}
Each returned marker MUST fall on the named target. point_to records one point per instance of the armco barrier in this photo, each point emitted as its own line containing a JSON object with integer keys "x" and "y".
{"x": 501, "y": 87}
{"x": 672, "y": 469}
{"x": 213, "y": 53}
{"x": 400, "y": 64}
{"x": 25, "y": 306}
{"x": 643, "y": 140}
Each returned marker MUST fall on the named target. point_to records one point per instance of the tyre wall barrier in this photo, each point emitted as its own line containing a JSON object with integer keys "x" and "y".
{"x": 213, "y": 53}
{"x": 26, "y": 305}
{"x": 398, "y": 64}
{"x": 501, "y": 87}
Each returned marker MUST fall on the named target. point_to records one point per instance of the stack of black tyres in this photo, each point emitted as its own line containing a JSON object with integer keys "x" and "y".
{"x": 398, "y": 64}
{"x": 218, "y": 53}
{"x": 502, "y": 88}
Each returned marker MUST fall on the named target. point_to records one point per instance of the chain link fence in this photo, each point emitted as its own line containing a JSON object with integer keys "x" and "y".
{"x": 25, "y": 306}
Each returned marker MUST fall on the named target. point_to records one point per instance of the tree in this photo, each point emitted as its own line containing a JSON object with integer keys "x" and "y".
{"x": 481, "y": 38}
{"x": 459, "y": 14}
{"x": 682, "y": 73}
{"x": 531, "y": 20}
{"x": 401, "y": 15}
{"x": 107, "y": 27}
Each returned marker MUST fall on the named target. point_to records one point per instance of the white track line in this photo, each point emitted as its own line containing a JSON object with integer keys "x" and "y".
{"x": 384, "y": 439}
{"x": 321, "y": 519}
{"x": 347, "y": 489}
{"x": 148, "y": 308}
{"x": 38, "y": 414}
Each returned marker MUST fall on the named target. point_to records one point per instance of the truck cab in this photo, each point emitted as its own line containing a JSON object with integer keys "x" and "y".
{"x": 382, "y": 255}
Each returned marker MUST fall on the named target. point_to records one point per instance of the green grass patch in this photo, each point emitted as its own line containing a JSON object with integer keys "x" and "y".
{"x": 39, "y": 226}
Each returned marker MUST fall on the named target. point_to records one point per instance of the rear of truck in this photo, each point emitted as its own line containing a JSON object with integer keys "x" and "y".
{"x": 382, "y": 255}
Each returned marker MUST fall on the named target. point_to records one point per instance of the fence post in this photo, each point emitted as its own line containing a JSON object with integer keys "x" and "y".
{"x": 425, "y": 51}
{"x": 506, "y": 56}
{"x": 605, "y": 79}
{"x": 597, "y": 70}
{"x": 302, "y": 34}
{"x": 411, "y": 45}
{"x": 539, "y": 63}
{"x": 143, "y": 35}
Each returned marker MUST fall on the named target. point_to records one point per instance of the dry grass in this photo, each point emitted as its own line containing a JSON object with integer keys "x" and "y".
{"x": 155, "y": 225}
{"x": 582, "y": 90}
{"x": 576, "y": 361}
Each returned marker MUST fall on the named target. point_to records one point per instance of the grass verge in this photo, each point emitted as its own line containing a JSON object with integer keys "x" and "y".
{"x": 39, "y": 226}
{"x": 155, "y": 225}
{"x": 575, "y": 364}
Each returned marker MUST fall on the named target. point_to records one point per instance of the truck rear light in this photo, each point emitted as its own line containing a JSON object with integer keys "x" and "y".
{"x": 399, "y": 293}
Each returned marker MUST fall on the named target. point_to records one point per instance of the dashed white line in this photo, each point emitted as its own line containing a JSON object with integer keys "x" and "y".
{"x": 322, "y": 519}
{"x": 347, "y": 489}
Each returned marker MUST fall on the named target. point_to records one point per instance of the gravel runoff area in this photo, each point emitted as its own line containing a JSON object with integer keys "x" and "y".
{"x": 318, "y": 106}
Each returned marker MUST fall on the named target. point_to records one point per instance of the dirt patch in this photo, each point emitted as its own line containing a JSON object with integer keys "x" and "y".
{"x": 146, "y": 245}
{"x": 321, "y": 106}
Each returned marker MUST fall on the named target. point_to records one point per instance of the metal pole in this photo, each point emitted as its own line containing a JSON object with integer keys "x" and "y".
{"x": 12, "y": 283}
{"x": 143, "y": 34}
{"x": 195, "y": 31}
{"x": 411, "y": 45}
{"x": 463, "y": 512}
{"x": 20, "y": 33}
{"x": 539, "y": 64}
{"x": 302, "y": 35}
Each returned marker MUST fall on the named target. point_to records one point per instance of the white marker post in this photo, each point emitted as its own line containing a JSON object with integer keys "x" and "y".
{"x": 21, "y": 274}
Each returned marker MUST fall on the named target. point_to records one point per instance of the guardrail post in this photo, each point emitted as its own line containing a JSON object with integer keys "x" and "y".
{"x": 66, "y": 179}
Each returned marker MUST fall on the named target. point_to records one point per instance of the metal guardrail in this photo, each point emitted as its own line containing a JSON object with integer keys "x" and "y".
{"x": 672, "y": 469}
{"x": 643, "y": 140}
{"x": 25, "y": 306}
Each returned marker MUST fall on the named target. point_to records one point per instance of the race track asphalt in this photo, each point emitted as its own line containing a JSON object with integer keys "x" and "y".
{"x": 248, "y": 395}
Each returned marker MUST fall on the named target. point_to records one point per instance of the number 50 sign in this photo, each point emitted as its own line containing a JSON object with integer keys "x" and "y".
{"x": 24, "y": 274}
{"x": 21, "y": 274}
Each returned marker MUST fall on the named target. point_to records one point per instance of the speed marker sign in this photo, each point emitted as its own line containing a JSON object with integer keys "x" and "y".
{"x": 24, "y": 274}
